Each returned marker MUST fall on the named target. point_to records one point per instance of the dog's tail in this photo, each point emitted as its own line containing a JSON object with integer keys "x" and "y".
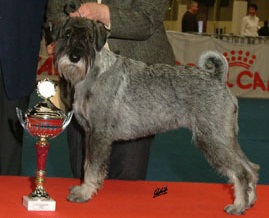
{"x": 215, "y": 63}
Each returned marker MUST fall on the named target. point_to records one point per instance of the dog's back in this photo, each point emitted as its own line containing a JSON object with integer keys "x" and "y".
{"x": 161, "y": 97}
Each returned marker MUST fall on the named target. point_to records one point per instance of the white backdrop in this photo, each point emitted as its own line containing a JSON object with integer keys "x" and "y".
{"x": 248, "y": 64}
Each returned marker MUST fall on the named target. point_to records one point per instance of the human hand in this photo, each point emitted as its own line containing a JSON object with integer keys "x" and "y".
{"x": 93, "y": 11}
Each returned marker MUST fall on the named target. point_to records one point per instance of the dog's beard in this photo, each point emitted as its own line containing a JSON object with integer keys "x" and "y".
{"x": 72, "y": 72}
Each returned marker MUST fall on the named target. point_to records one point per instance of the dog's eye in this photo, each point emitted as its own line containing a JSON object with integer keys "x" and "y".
{"x": 67, "y": 33}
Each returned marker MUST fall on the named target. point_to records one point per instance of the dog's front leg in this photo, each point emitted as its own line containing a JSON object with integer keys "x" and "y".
{"x": 98, "y": 150}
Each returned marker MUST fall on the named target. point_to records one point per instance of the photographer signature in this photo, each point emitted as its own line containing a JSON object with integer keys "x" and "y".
{"x": 160, "y": 191}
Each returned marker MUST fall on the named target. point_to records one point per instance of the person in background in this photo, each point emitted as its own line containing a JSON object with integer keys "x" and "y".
{"x": 20, "y": 36}
{"x": 250, "y": 23}
{"x": 137, "y": 32}
{"x": 189, "y": 21}
{"x": 264, "y": 31}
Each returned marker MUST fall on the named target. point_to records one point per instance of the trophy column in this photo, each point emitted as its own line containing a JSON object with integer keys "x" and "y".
{"x": 42, "y": 149}
{"x": 39, "y": 200}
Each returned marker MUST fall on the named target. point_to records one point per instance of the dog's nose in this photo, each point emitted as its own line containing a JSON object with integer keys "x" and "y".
{"x": 74, "y": 57}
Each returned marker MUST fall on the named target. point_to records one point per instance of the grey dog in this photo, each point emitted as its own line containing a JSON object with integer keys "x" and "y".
{"x": 117, "y": 98}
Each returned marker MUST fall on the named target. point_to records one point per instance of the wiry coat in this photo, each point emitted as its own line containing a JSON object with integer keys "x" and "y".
{"x": 117, "y": 98}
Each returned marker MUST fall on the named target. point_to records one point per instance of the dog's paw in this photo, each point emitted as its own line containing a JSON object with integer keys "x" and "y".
{"x": 79, "y": 194}
{"x": 234, "y": 209}
{"x": 252, "y": 198}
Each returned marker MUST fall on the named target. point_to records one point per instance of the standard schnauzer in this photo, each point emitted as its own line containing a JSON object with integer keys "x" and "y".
{"x": 117, "y": 98}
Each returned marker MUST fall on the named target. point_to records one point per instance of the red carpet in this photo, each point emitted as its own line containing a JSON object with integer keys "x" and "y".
{"x": 124, "y": 199}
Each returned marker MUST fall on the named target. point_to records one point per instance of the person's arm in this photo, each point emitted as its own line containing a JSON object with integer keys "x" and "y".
{"x": 139, "y": 21}
{"x": 258, "y": 23}
{"x": 136, "y": 22}
{"x": 130, "y": 23}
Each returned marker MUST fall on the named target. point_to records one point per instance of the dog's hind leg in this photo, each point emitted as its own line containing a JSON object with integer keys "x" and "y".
{"x": 95, "y": 168}
{"x": 234, "y": 119}
{"x": 220, "y": 152}
{"x": 252, "y": 167}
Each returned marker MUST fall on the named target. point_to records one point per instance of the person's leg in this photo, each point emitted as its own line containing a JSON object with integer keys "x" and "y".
{"x": 129, "y": 160}
{"x": 11, "y": 133}
{"x": 75, "y": 139}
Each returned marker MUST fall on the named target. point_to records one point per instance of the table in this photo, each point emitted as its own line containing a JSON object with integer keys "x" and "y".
{"x": 128, "y": 199}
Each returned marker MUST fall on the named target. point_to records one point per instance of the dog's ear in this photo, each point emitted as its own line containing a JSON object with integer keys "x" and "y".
{"x": 56, "y": 27}
{"x": 101, "y": 35}
{"x": 71, "y": 6}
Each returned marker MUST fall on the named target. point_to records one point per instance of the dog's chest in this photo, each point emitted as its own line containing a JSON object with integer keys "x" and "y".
{"x": 82, "y": 100}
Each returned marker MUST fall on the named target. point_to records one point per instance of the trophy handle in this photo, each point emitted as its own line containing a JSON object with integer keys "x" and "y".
{"x": 19, "y": 114}
{"x": 67, "y": 119}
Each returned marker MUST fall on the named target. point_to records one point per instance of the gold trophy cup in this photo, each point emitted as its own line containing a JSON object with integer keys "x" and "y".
{"x": 43, "y": 121}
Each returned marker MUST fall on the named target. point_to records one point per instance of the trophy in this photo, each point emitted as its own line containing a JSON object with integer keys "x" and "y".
{"x": 43, "y": 121}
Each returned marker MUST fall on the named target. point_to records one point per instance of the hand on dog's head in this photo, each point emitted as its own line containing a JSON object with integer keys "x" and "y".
{"x": 99, "y": 30}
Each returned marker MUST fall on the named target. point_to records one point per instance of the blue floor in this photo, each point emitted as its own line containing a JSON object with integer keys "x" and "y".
{"x": 174, "y": 157}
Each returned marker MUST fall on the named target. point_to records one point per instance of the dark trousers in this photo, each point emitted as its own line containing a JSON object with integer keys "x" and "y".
{"x": 129, "y": 160}
{"x": 11, "y": 132}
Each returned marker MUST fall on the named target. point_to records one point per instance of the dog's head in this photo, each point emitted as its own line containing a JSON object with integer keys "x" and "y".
{"x": 77, "y": 42}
